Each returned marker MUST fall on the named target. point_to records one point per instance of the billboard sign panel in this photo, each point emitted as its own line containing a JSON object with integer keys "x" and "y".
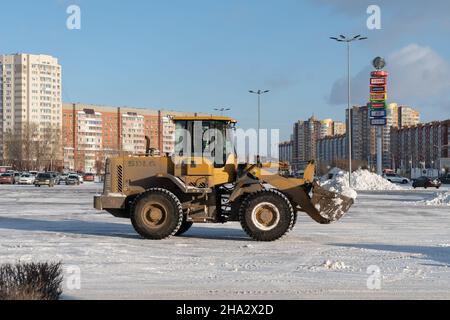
{"x": 378, "y": 113}
{"x": 378, "y": 105}
{"x": 378, "y": 81}
{"x": 378, "y": 89}
{"x": 378, "y": 121}
{"x": 378, "y": 96}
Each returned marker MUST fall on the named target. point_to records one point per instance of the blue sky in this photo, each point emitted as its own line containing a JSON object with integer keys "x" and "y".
{"x": 195, "y": 55}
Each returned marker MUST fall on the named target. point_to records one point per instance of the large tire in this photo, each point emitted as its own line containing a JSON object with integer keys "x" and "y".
{"x": 156, "y": 214}
{"x": 185, "y": 226}
{"x": 267, "y": 215}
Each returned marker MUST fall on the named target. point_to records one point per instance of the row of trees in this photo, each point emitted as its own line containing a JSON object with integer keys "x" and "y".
{"x": 32, "y": 147}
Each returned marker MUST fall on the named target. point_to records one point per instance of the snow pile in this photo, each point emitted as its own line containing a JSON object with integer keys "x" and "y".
{"x": 441, "y": 199}
{"x": 339, "y": 184}
{"x": 366, "y": 180}
{"x": 327, "y": 265}
{"x": 337, "y": 265}
{"x": 361, "y": 180}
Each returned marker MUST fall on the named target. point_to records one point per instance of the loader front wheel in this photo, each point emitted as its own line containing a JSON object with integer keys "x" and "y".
{"x": 266, "y": 215}
{"x": 156, "y": 214}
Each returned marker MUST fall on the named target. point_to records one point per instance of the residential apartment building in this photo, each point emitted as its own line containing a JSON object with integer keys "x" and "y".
{"x": 168, "y": 135}
{"x": 423, "y": 145}
{"x": 285, "y": 151}
{"x": 305, "y": 136}
{"x": 364, "y": 136}
{"x": 329, "y": 128}
{"x": 408, "y": 117}
{"x": 361, "y": 132}
{"x": 339, "y": 128}
{"x": 91, "y": 133}
{"x": 331, "y": 151}
{"x": 30, "y": 107}
{"x": 133, "y": 133}
{"x": 326, "y": 128}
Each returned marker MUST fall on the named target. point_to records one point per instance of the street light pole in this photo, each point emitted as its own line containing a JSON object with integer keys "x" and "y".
{"x": 259, "y": 93}
{"x": 350, "y": 118}
{"x": 221, "y": 110}
{"x": 348, "y": 40}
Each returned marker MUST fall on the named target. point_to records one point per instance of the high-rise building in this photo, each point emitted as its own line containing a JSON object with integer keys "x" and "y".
{"x": 30, "y": 107}
{"x": 397, "y": 117}
{"x": 329, "y": 128}
{"x": 326, "y": 128}
{"x": 339, "y": 128}
{"x": 285, "y": 151}
{"x": 306, "y": 134}
{"x": 360, "y": 126}
{"x": 331, "y": 151}
{"x": 364, "y": 142}
{"x": 408, "y": 117}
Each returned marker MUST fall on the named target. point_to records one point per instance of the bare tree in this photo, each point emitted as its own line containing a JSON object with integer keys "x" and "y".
{"x": 13, "y": 148}
{"x": 32, "y": 143}
{"x": 47, "y": 148}
{"x": 30, "y": 135}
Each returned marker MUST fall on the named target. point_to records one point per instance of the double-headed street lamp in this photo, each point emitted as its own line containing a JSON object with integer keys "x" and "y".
{"x": 348, "y": 40}
{"x": 259, "y": 93}
{"x": 222, "y": 110}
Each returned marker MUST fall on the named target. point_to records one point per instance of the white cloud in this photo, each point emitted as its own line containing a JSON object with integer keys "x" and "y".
{"x": 417, "y": 73}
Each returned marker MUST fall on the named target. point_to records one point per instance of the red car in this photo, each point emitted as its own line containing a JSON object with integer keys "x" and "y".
{"x": 7, "y": 178}
{"x": 89, "y": 177}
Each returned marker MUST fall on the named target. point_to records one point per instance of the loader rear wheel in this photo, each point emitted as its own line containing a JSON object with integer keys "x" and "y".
{"x": 185, "y": 226}
{"x": 156, "y": 214}
{"x": 267, "y": 215}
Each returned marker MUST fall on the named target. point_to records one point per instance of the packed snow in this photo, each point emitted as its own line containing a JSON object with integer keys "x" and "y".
{"x": 360, "y": 180}
{"x": 441, "y": 199}
{"x": 339, "y": 184}
{"x": 408, "y": 244}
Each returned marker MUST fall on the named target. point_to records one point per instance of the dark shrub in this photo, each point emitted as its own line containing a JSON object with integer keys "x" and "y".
{"x": 31, "y": 281}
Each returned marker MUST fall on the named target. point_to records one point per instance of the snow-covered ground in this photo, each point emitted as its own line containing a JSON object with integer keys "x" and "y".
{"x": 389, "y": 231}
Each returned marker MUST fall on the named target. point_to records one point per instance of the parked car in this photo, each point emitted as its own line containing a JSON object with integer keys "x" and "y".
{"x": 7, "y": 178}
{"x": 395, "y": 178}
{"x": 44, "y": 179}
{"x": 73, "y": 179}
{"x": 34, "y": 173}
{"x": 89, "y": 177}
{"x": 55, "y": 176}
{"x": 426, "y": 182}
{"x": 80, "y": 177}
{"x": 63, "y": 178}
{"x": 445, "y": 179}
{"x": 17, "y": 176}
{"x": 26, "y": 178}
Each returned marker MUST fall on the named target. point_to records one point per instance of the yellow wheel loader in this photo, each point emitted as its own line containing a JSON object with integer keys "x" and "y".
{"x": 164, "y": 195}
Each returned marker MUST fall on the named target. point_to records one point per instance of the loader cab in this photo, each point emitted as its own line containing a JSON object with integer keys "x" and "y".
{"x": 204, "y": 147}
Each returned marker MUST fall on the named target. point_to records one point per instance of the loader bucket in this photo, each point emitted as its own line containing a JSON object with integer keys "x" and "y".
{"x": 330, "y": 205}
{"x": 321, "y": 205}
